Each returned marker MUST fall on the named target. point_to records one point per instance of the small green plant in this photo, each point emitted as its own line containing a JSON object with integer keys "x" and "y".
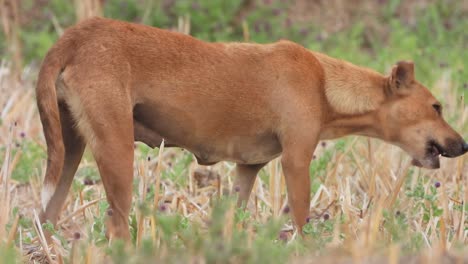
{"x": 31, "y": 157}
{"x": 425, "y": 200}
{"x": 179, "y": 169}
{"x": 9, "y": 253}
{"x": 97, "y": 232}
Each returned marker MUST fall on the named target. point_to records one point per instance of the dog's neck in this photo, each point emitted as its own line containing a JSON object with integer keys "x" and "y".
{"x": 354, "y": 94}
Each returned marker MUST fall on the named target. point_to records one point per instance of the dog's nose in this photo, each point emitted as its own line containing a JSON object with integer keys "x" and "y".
{"x": 465, "y": 147}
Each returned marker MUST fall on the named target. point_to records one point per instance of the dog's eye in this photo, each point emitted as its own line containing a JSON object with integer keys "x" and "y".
{"x": 438, "y": 108}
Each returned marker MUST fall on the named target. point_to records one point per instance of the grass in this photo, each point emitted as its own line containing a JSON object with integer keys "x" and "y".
{"x": 367, "y": 203}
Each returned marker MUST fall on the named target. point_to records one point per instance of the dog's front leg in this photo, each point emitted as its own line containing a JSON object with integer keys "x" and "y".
{"x": 295, "y": 162}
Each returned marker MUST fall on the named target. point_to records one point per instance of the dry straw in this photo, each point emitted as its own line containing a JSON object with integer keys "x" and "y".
{"x": 87, "y": 9}
{"x": 11, "y": 28}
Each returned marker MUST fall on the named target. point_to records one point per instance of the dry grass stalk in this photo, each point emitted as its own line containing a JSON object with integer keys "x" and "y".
{"x": 40, "y": 234}
{"x": 183, "y": 25}
{"x": 398, "y": 185}
{"x": 275, "y": 188}
{"x": 462, "y": 236}
{"x": 374, "y": 225}
{"x": 443, "y": 235}
{"x": 58, "y": 28}
{"x": 5, "y": 173}
{"x": 11, "y": 27}
{"x": 148, "y": 9}
{"x": 336, "y": 241}
{"x": 219, "y": 186}
{"x": 394, "y": 253}
{"x": 73, "y": 252}
{"x": 245, "y": 31}
{"x": 13, "y": 230}
{"x": 87, "y": 8}
{"x": 229, "y": 222}
{"x": 139, "y": 215}
{"x": 157, "y": 175}
{"x": 91, "y": 255}
{"x": 78, "y": 211}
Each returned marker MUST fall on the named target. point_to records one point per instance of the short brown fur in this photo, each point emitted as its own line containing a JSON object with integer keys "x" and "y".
{"x": 107, "y": 83}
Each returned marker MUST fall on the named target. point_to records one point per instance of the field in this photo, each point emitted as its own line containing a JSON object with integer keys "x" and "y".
{"x": 368, "y": 204}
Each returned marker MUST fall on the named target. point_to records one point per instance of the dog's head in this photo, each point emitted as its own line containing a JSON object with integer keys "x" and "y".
{"x": 412, "y": 119}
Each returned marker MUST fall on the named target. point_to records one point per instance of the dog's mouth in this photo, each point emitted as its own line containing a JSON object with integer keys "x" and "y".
{"x": 431, "y": 159}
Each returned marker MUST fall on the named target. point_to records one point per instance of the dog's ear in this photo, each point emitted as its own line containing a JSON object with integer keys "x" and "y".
{"x": 402, "y": 75}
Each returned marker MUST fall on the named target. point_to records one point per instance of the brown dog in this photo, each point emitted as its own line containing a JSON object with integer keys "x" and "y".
{"x": 107, "y": 83}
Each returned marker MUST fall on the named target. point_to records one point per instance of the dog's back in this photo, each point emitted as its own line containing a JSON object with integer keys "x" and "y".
{"x": 213, "y": 87}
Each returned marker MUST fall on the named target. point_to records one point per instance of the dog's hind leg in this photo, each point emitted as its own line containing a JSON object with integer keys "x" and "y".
{"x": 244, "y": 181}
{"x": 114, "y": 156}
{"x": 109, "y": 132}
{"x": 54, "y": 193}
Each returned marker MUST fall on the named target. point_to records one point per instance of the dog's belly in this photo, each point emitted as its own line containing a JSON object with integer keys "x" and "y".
{"x": 241, "y": 145}
{"x": 242, "y": 150}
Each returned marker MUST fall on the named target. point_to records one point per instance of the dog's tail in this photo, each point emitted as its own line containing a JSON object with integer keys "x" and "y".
{"x": 49, "y": 112}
